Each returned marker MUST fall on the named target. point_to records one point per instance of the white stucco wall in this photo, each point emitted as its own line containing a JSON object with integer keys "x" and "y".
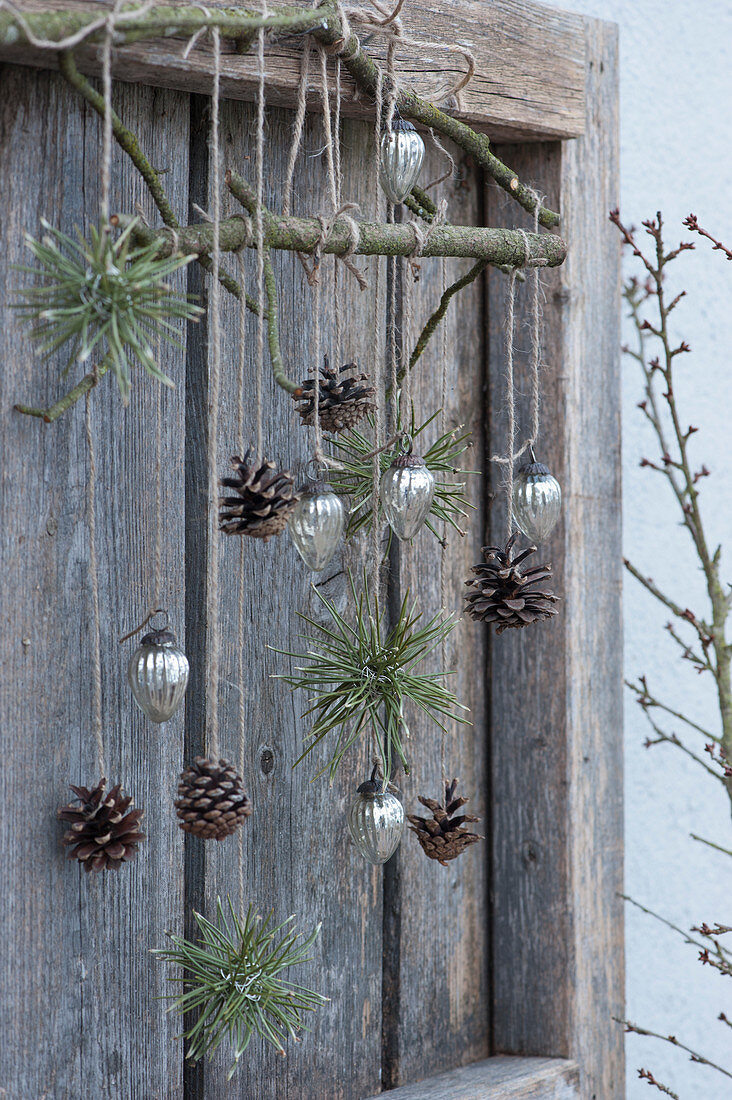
{"x": 676, "y": 156}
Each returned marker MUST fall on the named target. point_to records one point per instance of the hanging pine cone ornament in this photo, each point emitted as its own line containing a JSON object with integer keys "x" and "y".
{"x": 105, "y": 832}
{"x": 343, "y": 401}
{"x": 442, "y": 836}
{"x": 264, "y": 498}
{"x": 506, "y": 595}
{"x": 211, "y": 801}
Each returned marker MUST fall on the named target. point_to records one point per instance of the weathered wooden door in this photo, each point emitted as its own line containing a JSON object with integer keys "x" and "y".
{"x": 515, "y": 949}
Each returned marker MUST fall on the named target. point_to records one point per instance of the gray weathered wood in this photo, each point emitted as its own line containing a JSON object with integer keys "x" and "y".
{"x": 77, "y": 980}
{"x": 443, "y": 1015}
{"x": 499, "y": 1078}
{"x": 529, "y": 64}
{"x": 555, "y": 688}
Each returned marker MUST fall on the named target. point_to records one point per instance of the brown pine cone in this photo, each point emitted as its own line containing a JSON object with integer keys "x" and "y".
{"x": 442, "y": 836}
{"x": 342, "y": 402}
{"x": 264, "y": 498}
{"x": 103, "y": 835}
{"x": 211, "y": 801}
{"x": 503, "y": 594}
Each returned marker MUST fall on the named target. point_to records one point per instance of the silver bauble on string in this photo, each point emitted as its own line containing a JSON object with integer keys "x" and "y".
{"x": 376, "y": 821}
{"x": 316, "y": 524}
{"x": 158, "y": 675}
{"x": 406, "y": 492}
{"x": 402, "y": 153}
{"x": 537, "y": 500}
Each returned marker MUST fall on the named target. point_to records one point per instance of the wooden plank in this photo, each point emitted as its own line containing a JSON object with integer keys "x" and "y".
{"x": 557, "y": 724}
{"x": 499, "y": 1078}
{"x": 78, "y": 943}
{"x": 529, "y": 78}
{"x": 297, "y": 854}
{"x": 441, "y": 1018}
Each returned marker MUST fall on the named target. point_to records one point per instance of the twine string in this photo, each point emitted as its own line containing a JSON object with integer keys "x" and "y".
{"x": 377, "y": 353}
{"x": 508, "y": 460}
{"x": 212, "y": 578}
{"x": 94, "y": 585}
{"x": 443, "y": 546}
{"x": 158, "y": 550}
{"x": 259, "y": 225}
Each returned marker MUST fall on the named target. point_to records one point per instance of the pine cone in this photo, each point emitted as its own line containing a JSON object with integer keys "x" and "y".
{"x": 211, "y": 800}
{"x": 103, "y": 835}
{"x": 342, "y": 401}
{"x": 442, "y": 836}
{"x": 504, "y": 594}
{"x": 264, "y": 499}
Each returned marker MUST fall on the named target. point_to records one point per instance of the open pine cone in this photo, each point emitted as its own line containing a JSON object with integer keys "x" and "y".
{"x": 504, "y": 594}
{"x": 211, "y": 801}
{"x": 103, "y": 835}
{"x": 263, "y": 501}
{"x": 442, "y": 836}
{"x": 342, "y": 401}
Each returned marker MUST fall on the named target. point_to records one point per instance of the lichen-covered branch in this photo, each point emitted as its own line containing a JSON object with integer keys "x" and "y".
{"x": 434, "y": 320}
{"x": 273, "y": 332}
{"x": 53, "y": 412}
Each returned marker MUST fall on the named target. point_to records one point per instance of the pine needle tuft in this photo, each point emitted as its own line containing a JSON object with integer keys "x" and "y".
{"x": 104, "y": 297}
{"x": 232, "y": 981}
{"x": 361, "y": 676}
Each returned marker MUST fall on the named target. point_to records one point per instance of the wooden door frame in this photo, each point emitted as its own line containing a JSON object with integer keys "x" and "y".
{"x": 556, "y": 710}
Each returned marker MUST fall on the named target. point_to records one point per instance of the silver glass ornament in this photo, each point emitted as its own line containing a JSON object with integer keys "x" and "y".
{"x": 402, "y": 153}
{"x": 376, "y": 821}
{"x": 316, "y": 525}
{"x": 406, "y": 492}
{"x": 537, "y": 501}
{"x": 158, "y": 675}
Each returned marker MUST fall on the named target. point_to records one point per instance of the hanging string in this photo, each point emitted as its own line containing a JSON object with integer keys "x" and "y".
{"x": 377, "y": 353}
{"x": 443, "y": 545}
{"x": 94, "y": 584}
{"x": 241, "y": 422}
{"x": 259, "y": 223}
{"x": 158, "y": 551}
{"x": 337, "y": 305}
{"x": 512, "y": 453}
{"x": 107, "y": 120}
{"x": 212, "y": 572}
{"x": 297, "y": 128}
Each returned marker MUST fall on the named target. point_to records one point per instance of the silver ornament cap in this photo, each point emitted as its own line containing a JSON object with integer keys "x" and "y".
{"x": 406, "y": 491}
{"x": 158, "y": 675}
{"x": 376, "y": 821}
{"x": 401, "y": 156}
{"x": 537, "y": 501}
{"x": 316, "y": 525}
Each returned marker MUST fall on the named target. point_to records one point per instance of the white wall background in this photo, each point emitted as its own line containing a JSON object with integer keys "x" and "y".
{"x": 676, "y": 156}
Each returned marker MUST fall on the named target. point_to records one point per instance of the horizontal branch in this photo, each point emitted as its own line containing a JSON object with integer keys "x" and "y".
{"x": 163, "y": 20}
{"x": 495, "y": 246}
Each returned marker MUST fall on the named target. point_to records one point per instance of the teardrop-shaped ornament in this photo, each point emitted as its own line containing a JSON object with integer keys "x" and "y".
{"x": 406, "y": 491}
{"x": 537, "y": 501}
{"x": 402, "y": 153}
{"x": 376, "y": 821}
{"x": 316, "y": 524}
{"x": 158, "y": 675}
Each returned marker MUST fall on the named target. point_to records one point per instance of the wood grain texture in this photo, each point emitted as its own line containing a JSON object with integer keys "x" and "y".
{"x": 556, "y": 688}
{"x": 78, "y": 986}
{"x": 442, "y": 1017}
{"x": 499, "y": 1078}
{"x": 529, "y": 77}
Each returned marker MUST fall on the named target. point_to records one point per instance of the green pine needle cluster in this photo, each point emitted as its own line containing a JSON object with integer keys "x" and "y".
{"x": 105, "y": 297}
{"x": 361, "y": 675}
{"x": 231, "y": 979}
{"x": 450, "y": 504}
